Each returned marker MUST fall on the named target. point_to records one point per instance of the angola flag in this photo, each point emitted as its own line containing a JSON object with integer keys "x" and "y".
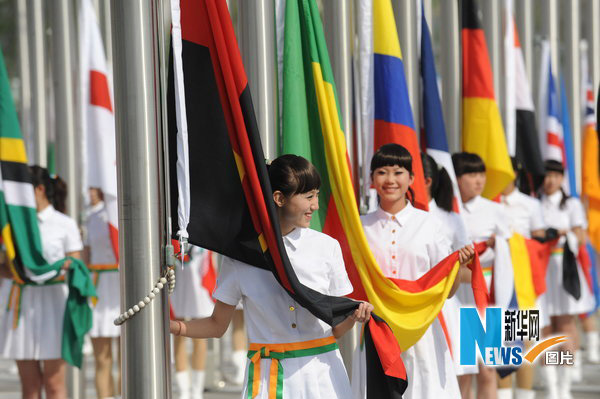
{"x": 483, "y": 133}
{"x": 231, "y": 208}
{"x": 408, "y": 306}
{"x": 21, "y": 235}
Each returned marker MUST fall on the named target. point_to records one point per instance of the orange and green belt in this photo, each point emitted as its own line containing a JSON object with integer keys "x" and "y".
{"x": 558, "y": 251}
{"x": 278, "y": 352}
{"x": 16, "y": 295}
{"x": 96, "y": 269}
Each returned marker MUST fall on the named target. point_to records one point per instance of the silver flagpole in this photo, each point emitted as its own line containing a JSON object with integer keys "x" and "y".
{"x": 572, "y": 77}
{"x": 405, "y": 12}
{"x": 450, "y": 72}
{"x": 339, "y": 34}
{"x": 24, "y": 77}
{"x": 138, "y": 119}
{"x": 591, "y": 17}
{"x": 492, "y": 24}
{"x": 256, "y": 33}
{"x": 64, "y": 119}
{"x": 38, "y": 80}
{"x": 524, "y": 20}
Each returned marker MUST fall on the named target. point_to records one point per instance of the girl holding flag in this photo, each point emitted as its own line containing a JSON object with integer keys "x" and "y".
{"x": 307, "y": 363}
{"x": 406, "y": 244}
{"x": 101, "y": 260}
{"x": 485, "y": 221}
{"x": 31, "y": 330}
{"x": 565, "y": 297}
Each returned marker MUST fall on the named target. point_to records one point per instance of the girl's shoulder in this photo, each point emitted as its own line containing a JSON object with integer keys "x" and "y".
{"x": 316, "y": 237}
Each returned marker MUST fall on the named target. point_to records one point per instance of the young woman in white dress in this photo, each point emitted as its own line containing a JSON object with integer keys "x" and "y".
{"x": 406, "y": 244}
{"x": 566, "y": 215}
{"x": 524, "y": 214}
{"x": 100, "y": 258}
{"x": 35, "y": 340}
{"x": 191, "y": 301}
{"x": 441, "y": 202}
{"x": 485, "y": 221}
{"x": 272, "y": 317}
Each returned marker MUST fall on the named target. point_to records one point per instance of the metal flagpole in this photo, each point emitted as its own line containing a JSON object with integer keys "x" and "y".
{"x": 38, "y": 79}
{"x": 450, "y": 72}
{"x": 24, "y": 77}
{"x": 144, "y": 339}
{"x": 573, "y": 78}
{"x": 524, "y": 20}
{"x": 405, "y": 13}
{"x": 256, "y": 33}
{"x": 62, "y": 67}
{"x": 492, "y": 24}
{"x": 339, "y": 34}
{"x": 64, "y": 119}
{"x": 591, "y": 17}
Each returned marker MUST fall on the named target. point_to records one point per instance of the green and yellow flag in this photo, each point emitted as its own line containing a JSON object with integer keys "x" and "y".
{"x": 312, "y": 129}
{"x": 21, "y": 235}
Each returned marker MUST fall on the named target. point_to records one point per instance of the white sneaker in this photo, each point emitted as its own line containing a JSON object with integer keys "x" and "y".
{"x": 591, "y": 346}
{"x": 525, "y": 393}
{"x": 504, "y": 393}
{"x": 197, "y": 391}
{"x": 182, "y": 379}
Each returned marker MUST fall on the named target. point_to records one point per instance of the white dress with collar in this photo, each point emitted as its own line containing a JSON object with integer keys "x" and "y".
{"x": 107, "y": 308}
{"x": 557, "y": 301}
{"x": 38, "y": 335}
{"x": 271, "y": 316}
{"x": 406, "y": 246}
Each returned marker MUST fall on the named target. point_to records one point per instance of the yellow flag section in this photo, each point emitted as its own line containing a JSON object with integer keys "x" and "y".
{"x": 524, "y": 289}
{"x": 408, "y": 313}
{"x": 591, "y": 181}
{"x": 482, "y": 129}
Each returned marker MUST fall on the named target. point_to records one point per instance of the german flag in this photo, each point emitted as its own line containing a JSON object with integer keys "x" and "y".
{"x": 231, "y": 208}
{"x": 483, "y": 133}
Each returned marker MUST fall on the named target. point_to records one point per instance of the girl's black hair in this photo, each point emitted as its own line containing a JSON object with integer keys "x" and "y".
{"x": 466, "y": 162}
{"x": 551, "y": 165}
{"x": 441, "y": 184}
{"x": 56, "y": 188}
{"x": 293, "y": 174}
{"x": 393, "y": 155}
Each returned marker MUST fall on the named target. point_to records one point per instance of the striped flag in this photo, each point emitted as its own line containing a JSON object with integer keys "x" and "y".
{"x": 434, "y": 132}
{"x": 237, "y": 216}
{"x": 21, "y": 234}
{"x": 570, "y": 182}
{"x": 521, "y": 135}
{"x": 483, "y": 133}
{"x": 385, "y": 110}
{"x": 97, "y": 119}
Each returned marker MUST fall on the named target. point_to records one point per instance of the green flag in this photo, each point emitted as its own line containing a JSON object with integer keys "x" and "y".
{"x": 21, "y": 234}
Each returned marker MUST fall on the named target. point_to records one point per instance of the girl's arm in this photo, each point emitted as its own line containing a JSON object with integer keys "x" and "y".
{"x": 213, "y": 326}
{"x": 362, "y": 315}
{"x": 465, "y": 255}
{"x": 580, "y": 233}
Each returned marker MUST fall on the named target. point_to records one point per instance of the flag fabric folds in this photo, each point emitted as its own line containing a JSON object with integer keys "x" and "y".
{"x": 483, "y": 133}
{"x": 21, "y": 235}
{"x": 237, "y": 216}
{"x": 434, "y": 138}
{"x": 590, "y": 170}
{"x": 97, "y": 119}
{"x": 521, "y": 133}
{"x": 569, "y": 155}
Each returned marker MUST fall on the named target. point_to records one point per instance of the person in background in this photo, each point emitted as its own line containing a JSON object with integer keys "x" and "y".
{"x": 34, "y": 337}
{"x": 565, "y": 215}
{"x": 191, "y": 301}
{"x": 485, "y": 221}
{"x": 100, "y": 258}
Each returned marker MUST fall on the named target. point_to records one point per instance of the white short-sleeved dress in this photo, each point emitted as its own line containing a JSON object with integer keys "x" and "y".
{"x": 406, "y": 246}
{"x": 38, "y": 335}
{"x": 190, "y": 299}
{"x": 524, "y": 214}
{"x": 556, "y": 299}
{"x": 484, "y": 218}
{"x": 272, "y": 316}
{"x": 454, "y": 229}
